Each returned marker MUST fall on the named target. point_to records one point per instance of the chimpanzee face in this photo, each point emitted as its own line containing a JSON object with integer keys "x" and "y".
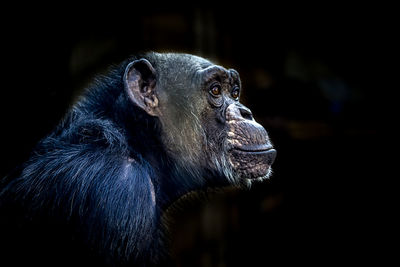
{"x": 203, "y": 121}
{"x": 240, "y": 140}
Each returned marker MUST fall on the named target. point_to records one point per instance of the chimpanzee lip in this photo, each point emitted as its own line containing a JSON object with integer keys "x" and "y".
{"x": 253, "y": 148}
{"x": 253, "y": 161}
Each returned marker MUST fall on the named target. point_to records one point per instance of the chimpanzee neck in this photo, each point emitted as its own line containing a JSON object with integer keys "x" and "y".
{"x": 180, "y": 182}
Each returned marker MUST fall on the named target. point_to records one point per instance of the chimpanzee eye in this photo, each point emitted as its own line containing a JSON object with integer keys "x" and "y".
{"x": 215, "y": 90}
{"x": 235, "y": 93}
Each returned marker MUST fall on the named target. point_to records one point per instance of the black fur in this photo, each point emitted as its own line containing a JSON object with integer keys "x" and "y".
{"x": 86, "y": 195}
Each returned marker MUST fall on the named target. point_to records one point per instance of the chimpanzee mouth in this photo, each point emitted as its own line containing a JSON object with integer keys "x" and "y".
{"x": 267, "y": 153}
{"x": 253, "y": 161}
{"x": 255, "y": 148}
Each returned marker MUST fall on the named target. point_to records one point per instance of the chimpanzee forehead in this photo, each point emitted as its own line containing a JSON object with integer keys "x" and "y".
{"x": 193, "y": 69}
{"x": 216, "y": 72}
{"x": 209, "y": 71}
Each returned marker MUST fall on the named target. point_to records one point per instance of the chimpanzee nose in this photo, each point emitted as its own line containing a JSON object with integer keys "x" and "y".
{"x": 238, "y": 113}
{"x": 246, "y": 113}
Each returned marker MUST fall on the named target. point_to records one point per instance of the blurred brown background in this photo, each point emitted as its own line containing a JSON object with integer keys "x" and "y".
{"x": 315, "y": 77}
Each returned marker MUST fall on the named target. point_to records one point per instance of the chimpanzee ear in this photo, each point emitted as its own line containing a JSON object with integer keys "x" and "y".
{"x": 140, "y": 83}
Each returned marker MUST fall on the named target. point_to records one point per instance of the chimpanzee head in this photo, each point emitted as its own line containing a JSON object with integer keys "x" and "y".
{"x": 203, "y": 122}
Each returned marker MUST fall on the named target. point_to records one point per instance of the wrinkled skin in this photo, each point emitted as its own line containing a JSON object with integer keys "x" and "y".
{"x": 249, "y": 150}
{"x": 252, "y": 153}
{"x": 214, "y": 128}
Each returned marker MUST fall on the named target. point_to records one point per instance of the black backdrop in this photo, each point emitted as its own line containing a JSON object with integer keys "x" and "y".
{"x": 315, "y": 78}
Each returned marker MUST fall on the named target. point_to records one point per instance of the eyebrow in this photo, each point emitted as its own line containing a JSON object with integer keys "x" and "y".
{"x": 216, "y": 72}
{"x": 234, "y": 77}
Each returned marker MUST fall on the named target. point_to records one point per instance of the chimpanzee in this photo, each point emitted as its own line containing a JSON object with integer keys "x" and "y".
{"x": 154, "y": 128}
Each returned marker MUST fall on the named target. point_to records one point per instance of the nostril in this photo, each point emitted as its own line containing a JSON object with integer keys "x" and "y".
{"x": 235, "y": 112}
{"x": 246, "y": 113}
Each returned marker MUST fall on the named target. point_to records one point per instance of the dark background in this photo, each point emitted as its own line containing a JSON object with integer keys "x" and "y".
{"x": 316, "y": 78}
